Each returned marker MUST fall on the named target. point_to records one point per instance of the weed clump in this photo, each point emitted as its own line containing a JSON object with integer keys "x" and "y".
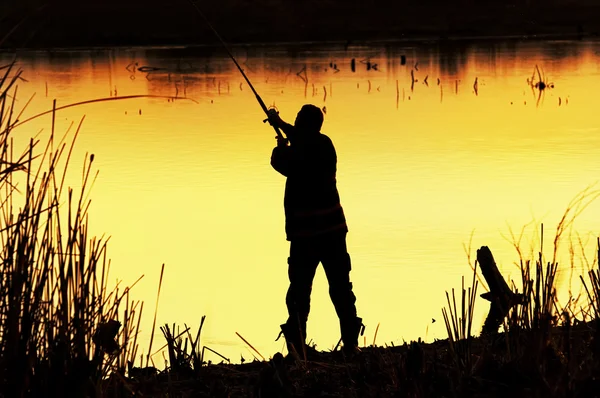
{"x": 62, "y": 329}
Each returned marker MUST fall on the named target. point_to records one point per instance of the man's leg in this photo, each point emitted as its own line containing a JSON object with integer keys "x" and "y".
{"x": 302, "y": 265}
{"x": 337, "y": 265}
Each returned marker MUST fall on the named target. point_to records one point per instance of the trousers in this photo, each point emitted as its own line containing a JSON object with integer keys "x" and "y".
{"x": 305, "y": 255}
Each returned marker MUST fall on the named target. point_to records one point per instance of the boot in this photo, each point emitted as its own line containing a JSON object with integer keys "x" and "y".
{"x": 350, "y": 331}
{"x": 293, "y": 339}
{"x": 295, "y": 343}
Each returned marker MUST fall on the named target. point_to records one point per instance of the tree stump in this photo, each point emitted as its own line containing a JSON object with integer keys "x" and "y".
{"x": 501, "y": 298}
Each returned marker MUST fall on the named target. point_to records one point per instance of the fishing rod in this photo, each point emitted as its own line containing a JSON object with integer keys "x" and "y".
{"x": 260, "y": 101}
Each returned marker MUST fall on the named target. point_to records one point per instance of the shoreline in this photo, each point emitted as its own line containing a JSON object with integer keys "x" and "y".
{"x": 366, "y": 42}
{"x": 497, "y": 365}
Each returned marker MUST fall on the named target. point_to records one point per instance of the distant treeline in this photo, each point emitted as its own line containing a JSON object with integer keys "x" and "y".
{"x": 35, "y": 23}
{"x": 339, "y": 3}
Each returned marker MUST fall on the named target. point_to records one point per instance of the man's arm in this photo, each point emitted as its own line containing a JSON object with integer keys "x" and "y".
{"x": 287, "y": 129}
{"x": 281, "y": 159}
{"x": 276, "y": 121}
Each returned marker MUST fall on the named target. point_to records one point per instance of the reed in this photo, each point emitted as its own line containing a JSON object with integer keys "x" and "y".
{"x": 459, "y": 325}
{"x": 551, "y": 346}
{"x": 593, "y": 291}
{"x": 63, "y": 330}
{"x": 541, "y": 309}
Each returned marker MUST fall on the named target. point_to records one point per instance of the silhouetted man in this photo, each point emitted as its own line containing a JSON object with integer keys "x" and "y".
{"x": 315, "y": 225}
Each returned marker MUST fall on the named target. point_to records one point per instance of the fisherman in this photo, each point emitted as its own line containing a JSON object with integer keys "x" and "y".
{"x": 315, "y": 226}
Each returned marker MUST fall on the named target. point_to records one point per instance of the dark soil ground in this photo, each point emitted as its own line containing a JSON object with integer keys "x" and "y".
{"x": 70, "y": 23}
{"x": 524, "y": 364}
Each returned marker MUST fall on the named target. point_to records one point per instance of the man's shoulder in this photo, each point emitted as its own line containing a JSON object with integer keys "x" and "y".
{"x": 325, "y": 138}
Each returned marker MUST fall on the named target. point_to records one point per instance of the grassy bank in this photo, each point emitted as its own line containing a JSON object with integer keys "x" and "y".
{"x": 59, "y": 320}
{"x": 513, "y": 365}
{"x": 68, "y": 23}
{"x": 65, "y": 332}
{"x": 545, "y": 349}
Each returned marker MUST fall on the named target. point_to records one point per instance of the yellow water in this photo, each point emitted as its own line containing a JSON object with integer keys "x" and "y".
{"x": 188, "y": 183}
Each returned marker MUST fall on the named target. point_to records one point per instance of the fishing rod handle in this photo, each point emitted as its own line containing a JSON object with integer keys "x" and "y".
{"x": 264, "y": 107}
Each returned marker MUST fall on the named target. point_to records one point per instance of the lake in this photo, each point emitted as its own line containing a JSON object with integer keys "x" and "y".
{"x": 441, "y": 147}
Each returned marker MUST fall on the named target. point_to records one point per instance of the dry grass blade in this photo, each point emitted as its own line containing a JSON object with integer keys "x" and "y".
{"x": 96, "y": 100}
{"x": 593, "y": 292}
{"x": 195, "y": 345}
{"x": 214, "y": 352}
{"x": 60, "y": 323}
{"x": 375, "y": 336}
{"x": 250, "y": 345}
{"x": 459, "y": 325}
{"x": 162, "y": 270}
{"x": 167, "y": 343}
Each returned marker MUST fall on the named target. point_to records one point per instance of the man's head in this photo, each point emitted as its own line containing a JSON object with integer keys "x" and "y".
{"x": 310, "y": 119}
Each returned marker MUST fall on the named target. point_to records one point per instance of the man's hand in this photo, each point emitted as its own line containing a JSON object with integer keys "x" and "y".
{"x": 273, "y": 118}
{"x": 281, "y": 142}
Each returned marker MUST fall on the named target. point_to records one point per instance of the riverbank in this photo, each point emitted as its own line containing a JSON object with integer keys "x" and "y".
{"x": 532, "y": 363}
{"x": 71, "y": 24}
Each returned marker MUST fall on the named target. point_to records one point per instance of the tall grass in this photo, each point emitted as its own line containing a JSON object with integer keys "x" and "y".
{"x": 593, "y": 291}
{"x": 459, "y": 324}
{"x": 553, "y": 346}
{"x": 541, "y": 308}
{"x": 62, "y": 329}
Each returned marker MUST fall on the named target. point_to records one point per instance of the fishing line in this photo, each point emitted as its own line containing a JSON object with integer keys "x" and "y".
{"x": 260, "y": 101}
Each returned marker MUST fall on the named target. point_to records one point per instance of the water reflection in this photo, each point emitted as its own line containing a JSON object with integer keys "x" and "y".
{"x": 421, "y": 163}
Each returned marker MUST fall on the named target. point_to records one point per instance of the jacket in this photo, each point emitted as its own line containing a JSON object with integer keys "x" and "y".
{"x": 312, "y": 202}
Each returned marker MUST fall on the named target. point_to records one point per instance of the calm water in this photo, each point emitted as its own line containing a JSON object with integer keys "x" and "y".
{"x": 423, "y": 167}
